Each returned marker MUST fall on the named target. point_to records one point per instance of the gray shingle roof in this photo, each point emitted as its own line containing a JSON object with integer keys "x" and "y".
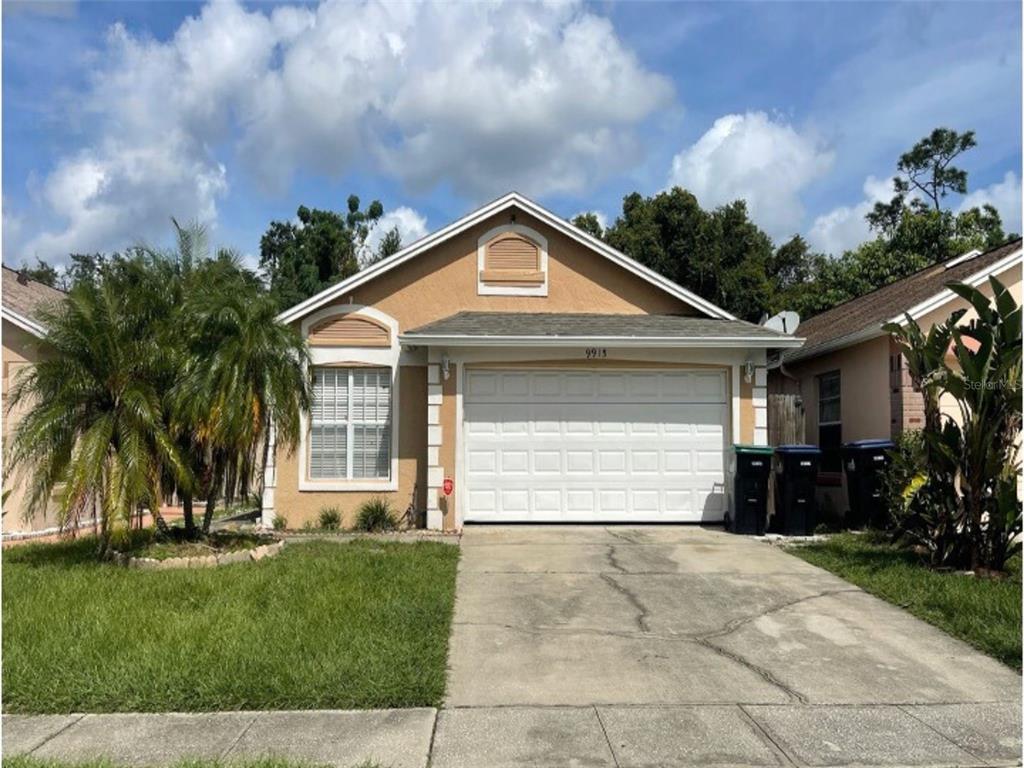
{"x": 27, "y": 297}
{"x": 880, "y": 306}
{"x": 553, "y": 325}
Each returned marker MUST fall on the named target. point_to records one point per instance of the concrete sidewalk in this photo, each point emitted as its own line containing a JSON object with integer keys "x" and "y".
{"x": 472, "y": 737}
{"x": 395, "y": 738}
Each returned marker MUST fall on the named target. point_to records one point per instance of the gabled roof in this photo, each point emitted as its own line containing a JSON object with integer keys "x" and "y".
{"x": 516, "y": 328}
{"x": 23, "y": 299}
{"x": 862, "y": 318}
{"x": 512, "y": 199}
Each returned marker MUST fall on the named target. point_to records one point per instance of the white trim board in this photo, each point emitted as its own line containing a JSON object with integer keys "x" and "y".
{"x": 945, "y": 296}
{"x": 512, "y": 199}
{"x": 26, "y": 324}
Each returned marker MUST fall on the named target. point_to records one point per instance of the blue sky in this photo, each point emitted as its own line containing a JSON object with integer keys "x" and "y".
{"x": 117, "y": 116}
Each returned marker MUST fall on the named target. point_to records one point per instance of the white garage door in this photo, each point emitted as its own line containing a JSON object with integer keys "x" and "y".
{"x": 563, "y": 446}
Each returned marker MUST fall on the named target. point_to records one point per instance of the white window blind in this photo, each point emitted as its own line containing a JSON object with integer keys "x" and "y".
{"x": 350, "y": 437}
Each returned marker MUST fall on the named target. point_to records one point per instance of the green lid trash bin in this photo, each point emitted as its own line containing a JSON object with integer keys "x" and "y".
{"x": 753, "y": 466}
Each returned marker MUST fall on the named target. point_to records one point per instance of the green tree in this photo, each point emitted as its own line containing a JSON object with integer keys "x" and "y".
{"x": 721, "y": 255}
{"x": 243, "y": 372}
{"x": 927, "y": 167}
{"x": 300, "y": 259}
{"x": 165, "y": 371}
{"x": 94, "y": 432}
{"x": 913, "y": 229}
{"x": 589, "y": 223}
{"x": 42, "y": 273}
{"x": 389, "y": 245}
{"x": 915, "y": 223}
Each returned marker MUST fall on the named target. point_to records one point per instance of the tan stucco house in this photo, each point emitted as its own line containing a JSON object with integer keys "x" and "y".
{"x": 22, "y": 300}
{"x": 850, "y": 377}
{"x": 529, "y": 370}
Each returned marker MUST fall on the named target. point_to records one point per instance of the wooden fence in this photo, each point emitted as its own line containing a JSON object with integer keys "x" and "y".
{"x": 785, "y": 420}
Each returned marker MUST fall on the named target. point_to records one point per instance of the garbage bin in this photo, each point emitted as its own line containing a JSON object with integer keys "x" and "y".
{"x": 753, "y": 467}
{"x": 796, "y": 476}
{"x": 864, "y": 461}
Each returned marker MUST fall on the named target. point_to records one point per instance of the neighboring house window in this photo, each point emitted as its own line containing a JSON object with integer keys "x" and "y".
{"x": 350, "y": 435}
{"x": 830, "y": 428}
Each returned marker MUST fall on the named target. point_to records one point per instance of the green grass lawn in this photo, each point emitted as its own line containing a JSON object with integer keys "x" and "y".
{"x": 323, "y": 625}
{"x": 985, "y": 613}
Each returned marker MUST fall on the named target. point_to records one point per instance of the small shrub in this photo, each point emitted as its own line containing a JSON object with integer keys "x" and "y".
{"x": 376, "y": 515}
{"x": 898, "y": 482}
{"x": 330, "y": 518}
{"x": 280, "y": 523}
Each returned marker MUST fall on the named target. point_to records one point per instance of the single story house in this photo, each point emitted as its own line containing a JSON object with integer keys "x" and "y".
{"x": 850, "y": 377}
{"x": 22, "y": 299}
{"x": 510, "y": 367}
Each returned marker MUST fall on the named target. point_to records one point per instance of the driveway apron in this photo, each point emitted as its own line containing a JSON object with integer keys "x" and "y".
{"x": 570, "y": 637}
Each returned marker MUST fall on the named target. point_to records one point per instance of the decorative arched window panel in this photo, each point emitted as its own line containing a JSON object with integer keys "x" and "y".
{"x": 512, "y": 260}
{"x": 349, "y": 330}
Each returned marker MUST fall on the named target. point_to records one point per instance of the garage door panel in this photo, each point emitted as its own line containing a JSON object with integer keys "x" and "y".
{"x": 580, "y": 501}
{"x": 547, "y": 462}
{"x": 579, "y": 462}
{"x": 481, "y": 462}
{"x": 644, "y": 462}
{"x": 549, "y": 446}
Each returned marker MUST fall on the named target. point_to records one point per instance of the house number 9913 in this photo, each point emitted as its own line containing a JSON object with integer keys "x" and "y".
{"x": 595, "y": 352}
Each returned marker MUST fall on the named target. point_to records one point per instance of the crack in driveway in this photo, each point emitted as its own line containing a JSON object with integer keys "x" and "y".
{"x": 731, "y": 626}
{"x": 706, "y": 639}
{"x": 613, "y": 561}
{"x": 633, "y": 598}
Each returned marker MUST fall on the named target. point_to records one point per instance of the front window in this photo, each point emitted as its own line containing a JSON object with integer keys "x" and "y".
{"x": 350, "y": 434}
{"x": 830, "y": 428}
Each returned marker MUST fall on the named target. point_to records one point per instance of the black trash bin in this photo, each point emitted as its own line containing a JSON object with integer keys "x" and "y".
{"x": 750, "y": 489}
{"x": 864, "y": 461}
{"x": 796, "y": 476}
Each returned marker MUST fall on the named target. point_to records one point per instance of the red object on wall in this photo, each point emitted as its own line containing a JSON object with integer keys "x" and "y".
{"x": 448, "y": 486}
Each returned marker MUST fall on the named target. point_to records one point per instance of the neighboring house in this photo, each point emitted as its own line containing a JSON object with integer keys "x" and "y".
{"x": 532, "y": 370}
{"x": 22, "y": 300}
{"x": 849, "y": 374}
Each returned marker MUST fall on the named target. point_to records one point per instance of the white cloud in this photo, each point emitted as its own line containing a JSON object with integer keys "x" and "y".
{"x": 411, "y": 225}
{"x": 845, "y": 227}
{"x": 478, "y": 97}
{"x": 762, "y": 160}
{"x": 1004, "y": 196}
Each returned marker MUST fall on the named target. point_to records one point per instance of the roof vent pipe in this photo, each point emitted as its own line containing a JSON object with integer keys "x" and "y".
{"x": 974, "y": 253}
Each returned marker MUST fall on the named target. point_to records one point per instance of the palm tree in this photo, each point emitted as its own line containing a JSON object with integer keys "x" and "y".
{"x": 243, "y": 372}
{"x": 94, "y": 435}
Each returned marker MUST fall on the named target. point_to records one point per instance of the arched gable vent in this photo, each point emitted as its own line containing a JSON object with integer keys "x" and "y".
{"x": 349, "y": 331}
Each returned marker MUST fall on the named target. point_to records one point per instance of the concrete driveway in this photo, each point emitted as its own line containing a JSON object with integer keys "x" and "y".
{"x": 659, "y": 646}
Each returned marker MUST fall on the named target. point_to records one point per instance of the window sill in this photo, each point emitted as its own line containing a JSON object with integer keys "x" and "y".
{"x": 348, "y": 485}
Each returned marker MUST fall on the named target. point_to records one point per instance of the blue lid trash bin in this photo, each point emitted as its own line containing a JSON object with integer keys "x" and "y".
{"x": 864, "y": 461}
{"x": 753, "y": 467}
{"x": 796, "y": 478}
